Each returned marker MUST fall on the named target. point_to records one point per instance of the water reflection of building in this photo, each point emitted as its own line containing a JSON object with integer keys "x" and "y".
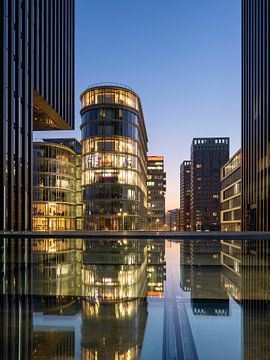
{"x": 208, "y": 296}
{"x": 156, "y": 271}
{"x": 56, "y": 327}
{"x": 114, "y": 285}
{"x": 15, "y": 304}
{"x": 231, "y": 253}
{"x": 56, "y": 266}
{"x": 255, "y": 288}
{"x": 185, "y": 265}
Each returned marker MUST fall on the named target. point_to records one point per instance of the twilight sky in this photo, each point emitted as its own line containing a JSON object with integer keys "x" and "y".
{"x": 183, "y": 58}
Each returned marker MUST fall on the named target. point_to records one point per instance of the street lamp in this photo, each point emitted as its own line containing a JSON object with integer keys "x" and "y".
{"x": 157, "y": 222}
{"x": 123, "y": 214}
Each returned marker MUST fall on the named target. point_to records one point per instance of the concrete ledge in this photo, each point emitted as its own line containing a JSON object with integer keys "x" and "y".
{"x": 138, "y": 235}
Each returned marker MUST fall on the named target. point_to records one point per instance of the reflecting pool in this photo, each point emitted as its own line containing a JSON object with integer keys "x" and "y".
{"x": 126, "y": 299}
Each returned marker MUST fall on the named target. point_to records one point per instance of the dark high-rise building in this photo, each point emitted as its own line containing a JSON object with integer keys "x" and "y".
{"x": 208, "y": 155}
{"x": 156, "y": 187}
{"x": 255, "y": 115}
{"x": 185, "y": 169}
{"x": 114, "y": 163}
{"x": 36, "y": 93}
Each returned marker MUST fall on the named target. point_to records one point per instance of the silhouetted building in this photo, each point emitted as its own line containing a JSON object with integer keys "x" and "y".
{"x": 57, "y": 196}
{"x": 172, "y": 219}
{"x": 255, "y": 115}
{"x": 156, "y": 188}
{"x": 208, "y": 155}
{"x": 230, "y": 197}
{"x": 37, "y": 93}
{"x": 114, "y": 163}
{"x": 185, "y": 183}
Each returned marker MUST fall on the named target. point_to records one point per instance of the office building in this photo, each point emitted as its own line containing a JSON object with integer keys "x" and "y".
{"x": 37, "y": 92}
{"x": 185, "y": 170}
{"x": 156, "y": 188}
{"x": 255, "y": 115}
{"x": 114, "y": 163}
{"x": 57, "y": 203}
{"x": 173, "y": 220}
{"x": 208, "y": 155}
{"x": 230, "y": 196}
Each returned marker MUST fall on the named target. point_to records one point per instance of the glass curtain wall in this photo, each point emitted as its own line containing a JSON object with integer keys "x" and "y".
{"x": 114, "y": 147}
{"x": 55, "y": 187}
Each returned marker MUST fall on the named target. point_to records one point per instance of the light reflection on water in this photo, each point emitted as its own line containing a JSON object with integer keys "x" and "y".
{"x": 130, "y": 299}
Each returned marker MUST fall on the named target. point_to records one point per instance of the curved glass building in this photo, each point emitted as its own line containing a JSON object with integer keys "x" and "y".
{"x": 114, "y": 162}
{"x": 55, "y": 195}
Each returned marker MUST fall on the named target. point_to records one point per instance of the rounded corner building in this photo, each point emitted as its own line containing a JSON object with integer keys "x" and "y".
{"x": 114, "y": 158}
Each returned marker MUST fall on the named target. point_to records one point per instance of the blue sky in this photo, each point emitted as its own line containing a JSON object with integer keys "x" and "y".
{"x": 183, "y": 57}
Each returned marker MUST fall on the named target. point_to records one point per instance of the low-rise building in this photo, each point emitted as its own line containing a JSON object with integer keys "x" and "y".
{"x": 231, "y": 194}
{"x": 57, "y": 202}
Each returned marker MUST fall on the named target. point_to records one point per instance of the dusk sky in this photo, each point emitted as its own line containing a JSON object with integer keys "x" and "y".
{"x": 183, "y": 58}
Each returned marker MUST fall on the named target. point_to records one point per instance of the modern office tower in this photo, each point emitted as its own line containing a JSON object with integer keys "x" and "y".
{"x": 156, "y": 188}
{"x": 56, "y": 197}
{"x": 173, "y": 219}
{"x": 114, "y": 163}
{"x": 36, "y": 93}
{"x": 185, "y": 169}
{"x": 208, "y": 155}
{"x": 255, "y": 115}
{"x": 230, "y": 197}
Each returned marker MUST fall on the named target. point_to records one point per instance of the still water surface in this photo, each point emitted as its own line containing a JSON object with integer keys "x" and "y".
{"x": 134, "y": 299}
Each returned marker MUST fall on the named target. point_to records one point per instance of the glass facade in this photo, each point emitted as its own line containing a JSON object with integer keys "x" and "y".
{"x": 37, "y": 93}
{"x": 57, "y": 187}
{"x": 156, "y": 188}
{"x": 255, "y": 115}
{"x": 231, "y": 194}
{"x": 185, "y": 169}
{"x": 114, "y": 146}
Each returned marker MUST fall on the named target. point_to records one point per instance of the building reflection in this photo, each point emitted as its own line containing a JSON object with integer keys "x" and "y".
{"x": 156, "y": 268}
{"x": 114, "y": 288}
{"x": 231, "y": 257}
{"x": 15, "y": 304}
{"x": 255, "y": 292}
{"x": 185, "y": 265}
{"x": 56, "y": 267}
{"x": 200, "y": 273}
{"x": 208, "y": 296}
